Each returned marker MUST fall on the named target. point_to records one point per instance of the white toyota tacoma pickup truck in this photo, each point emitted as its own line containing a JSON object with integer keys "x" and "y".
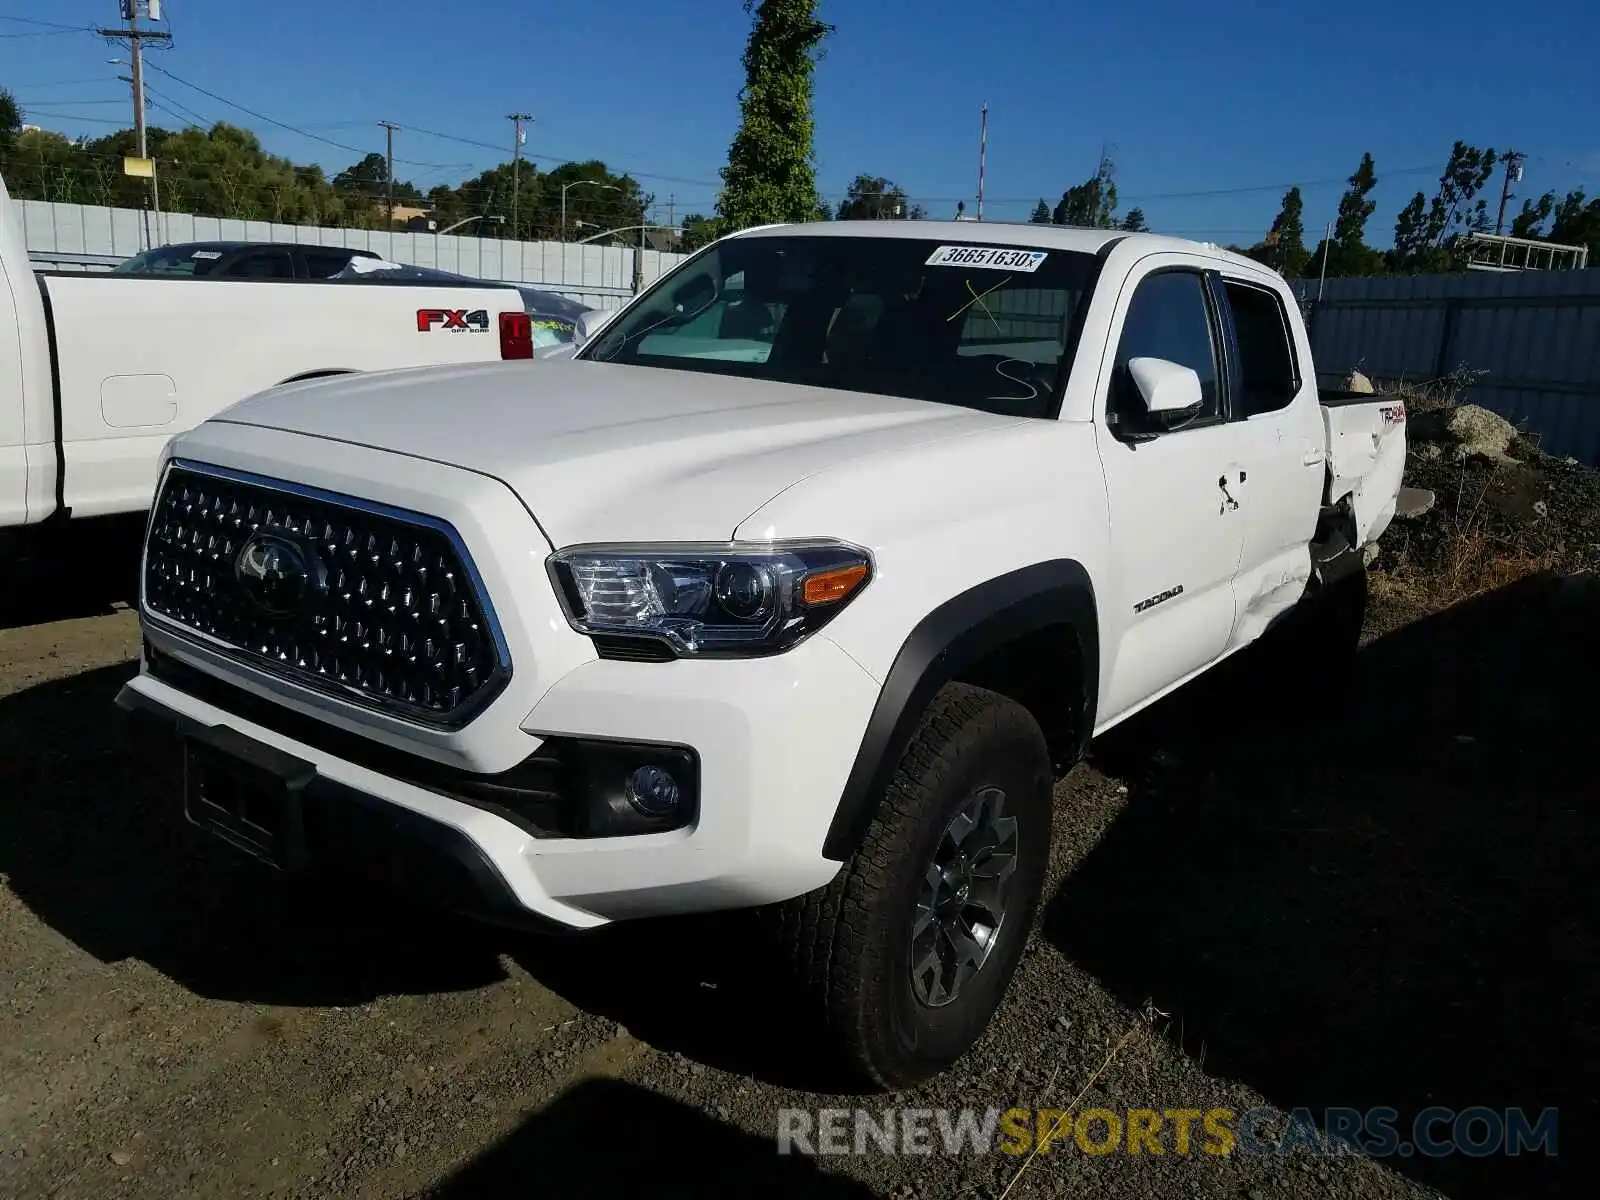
{"x": 793, "y": 590}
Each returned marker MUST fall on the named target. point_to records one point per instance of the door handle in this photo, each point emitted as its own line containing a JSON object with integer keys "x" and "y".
{"x": 1313, "y": 458}
{"x": 1227, "y": 497}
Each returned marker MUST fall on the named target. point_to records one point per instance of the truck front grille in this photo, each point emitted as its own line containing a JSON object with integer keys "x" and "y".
{"x": 376, "y": 605}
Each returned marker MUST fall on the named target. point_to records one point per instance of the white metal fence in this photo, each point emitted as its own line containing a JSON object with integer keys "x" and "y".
{"x": 85, "y": 237}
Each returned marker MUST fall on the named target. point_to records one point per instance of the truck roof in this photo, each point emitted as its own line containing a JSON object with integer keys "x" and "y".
{"x": 1011, "y": 233}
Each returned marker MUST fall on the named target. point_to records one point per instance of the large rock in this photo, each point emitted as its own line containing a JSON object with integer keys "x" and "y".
{"x": 1468, "y": 431}
{"x": 1413, "y": 503}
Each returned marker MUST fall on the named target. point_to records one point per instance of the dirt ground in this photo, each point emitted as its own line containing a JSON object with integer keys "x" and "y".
{"x": 1260, "y": 895}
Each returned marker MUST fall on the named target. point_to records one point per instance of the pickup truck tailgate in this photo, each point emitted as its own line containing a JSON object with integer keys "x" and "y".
{"x": 1366, "y": 458}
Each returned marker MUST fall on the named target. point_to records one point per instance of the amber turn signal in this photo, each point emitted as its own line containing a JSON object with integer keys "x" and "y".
{"x": 832, "y": 585}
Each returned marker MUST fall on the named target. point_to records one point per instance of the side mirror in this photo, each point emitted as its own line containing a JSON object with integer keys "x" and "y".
{"x": 691, "y": 297}
{"x": 590, "y": 322}
{"x": 1170, "y": 391}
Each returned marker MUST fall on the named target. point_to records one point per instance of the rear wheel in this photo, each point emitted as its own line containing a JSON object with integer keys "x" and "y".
{"x": 911, "y": 948}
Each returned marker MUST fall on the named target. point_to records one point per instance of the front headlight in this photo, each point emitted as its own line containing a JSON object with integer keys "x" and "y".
{"x": 709, "y": 600}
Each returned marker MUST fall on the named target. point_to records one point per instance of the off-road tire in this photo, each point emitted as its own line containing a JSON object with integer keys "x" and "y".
{"x": 850, "y": 941}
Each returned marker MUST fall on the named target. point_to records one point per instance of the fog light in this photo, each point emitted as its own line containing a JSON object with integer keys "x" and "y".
{"x": 653, "y": 791}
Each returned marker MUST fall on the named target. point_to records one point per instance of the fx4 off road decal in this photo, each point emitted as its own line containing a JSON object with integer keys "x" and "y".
{"x": 457, "y": 319}
{"x": 1161, "y": 598}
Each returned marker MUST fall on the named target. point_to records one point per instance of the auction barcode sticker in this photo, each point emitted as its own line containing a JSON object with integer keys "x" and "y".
{"x": 994, "y": 258}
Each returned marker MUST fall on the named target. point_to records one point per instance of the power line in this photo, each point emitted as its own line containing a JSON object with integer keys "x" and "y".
{"x": 295, "y": 129}
{"x": 62, "y": 83}
{"x": 45, "y": 33}
{"x": 49, "y": 24}
{"x": 61, "y": 116}
{"x": 179, "y": 110}
{"x": 559, "y": 160}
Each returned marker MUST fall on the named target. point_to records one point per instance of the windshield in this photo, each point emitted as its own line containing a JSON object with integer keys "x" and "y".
{"x": 170, "y": 260}
{"x": 984, "y": 326}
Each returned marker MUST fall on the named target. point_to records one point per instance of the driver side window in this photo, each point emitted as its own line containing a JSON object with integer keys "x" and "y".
{"x": 1169, "y": 318}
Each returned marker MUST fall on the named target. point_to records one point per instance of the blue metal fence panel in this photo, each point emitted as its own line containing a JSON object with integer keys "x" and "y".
{"x": 1531, "y": 338}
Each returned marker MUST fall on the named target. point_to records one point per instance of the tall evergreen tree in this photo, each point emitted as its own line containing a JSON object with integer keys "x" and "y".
{"x": 771, "y": 175}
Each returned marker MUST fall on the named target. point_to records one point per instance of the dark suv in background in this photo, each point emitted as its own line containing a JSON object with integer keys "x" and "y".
{"x": 243, "y": 260}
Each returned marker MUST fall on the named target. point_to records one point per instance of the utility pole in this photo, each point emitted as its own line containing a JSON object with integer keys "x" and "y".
{"x": 983, "y": 151}
{"x": 1513, "y": 175}
{"x": 388, "y": 128}
{"x": 136, "y": 38}
{"x": 516, "y": 119}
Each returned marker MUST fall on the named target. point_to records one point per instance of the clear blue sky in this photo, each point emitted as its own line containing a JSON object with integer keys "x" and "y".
{"x": 1193, "y": 98}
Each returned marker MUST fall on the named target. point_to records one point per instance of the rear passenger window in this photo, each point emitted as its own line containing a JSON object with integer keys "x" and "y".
{"x": 323, "y": 264}
{"x": 1266, "y": 353}
{"x": 270, "y": 264}
{"x": 1169, "y": 319}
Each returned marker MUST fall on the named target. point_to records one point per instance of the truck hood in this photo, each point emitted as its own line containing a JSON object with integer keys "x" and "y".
{"x": 602, "y": 452}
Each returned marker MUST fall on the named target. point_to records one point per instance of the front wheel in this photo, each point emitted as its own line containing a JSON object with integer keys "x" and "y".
{"x": 911, "y": 948}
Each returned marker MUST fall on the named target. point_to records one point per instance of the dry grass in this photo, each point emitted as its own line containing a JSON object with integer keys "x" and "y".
{"x": 1468, "y": 558}
{"x": 1474, "y": 562}
{"x": 1429, "y": 395}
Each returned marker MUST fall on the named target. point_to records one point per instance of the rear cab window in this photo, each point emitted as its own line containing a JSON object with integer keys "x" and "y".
{"x": 1269, "y": 374}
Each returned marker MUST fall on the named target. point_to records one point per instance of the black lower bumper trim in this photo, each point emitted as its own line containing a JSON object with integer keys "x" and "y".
{"x": 348, "y": 830}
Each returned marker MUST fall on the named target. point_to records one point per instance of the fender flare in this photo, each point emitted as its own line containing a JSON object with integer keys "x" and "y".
{"x": 944, "y": 644}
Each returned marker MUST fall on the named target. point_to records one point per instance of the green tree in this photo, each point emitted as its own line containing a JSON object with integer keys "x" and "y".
{"x": 1577, "y": 222}
{"x": 698, "y": 231}
{"x": 1426, "y": 232}
{"x": 1041, "y": 213}
{"x": 1092, "y": 203}
{"x": 770, "y": 175}
{"x": 1455, "y": 207}
{"x": 1285, "y": 244}
{"x": 10, "y": 125}
{"x": 1355, "y": 209}
{"x": 1349, "y": 254}
{"x": 873, "y": 198}
{"x": 1413, "y": 236}
{"x": 597, "y": 199}
{"x": 1528, "y": 222}
{"x": 1134, "y": 222}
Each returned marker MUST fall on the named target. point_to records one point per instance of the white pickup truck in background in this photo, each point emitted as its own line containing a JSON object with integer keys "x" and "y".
{"x": 98, "y": 371}
{"x": 790, "y": 591}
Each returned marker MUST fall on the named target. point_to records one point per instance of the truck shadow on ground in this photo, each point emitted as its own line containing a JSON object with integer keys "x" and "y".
{"x": 92, "y": 842}
{"x": 90, "y": 577}
{"x": 1391, "y": 902}
{"x": 608, "y": 1138}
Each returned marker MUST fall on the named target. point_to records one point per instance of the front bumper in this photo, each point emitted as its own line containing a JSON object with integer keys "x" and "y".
{"x": 355, "y": 831}
{"x": 774, "y": 740}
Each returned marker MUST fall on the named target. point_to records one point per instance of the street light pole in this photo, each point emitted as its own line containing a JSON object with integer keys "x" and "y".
{"x": 610, "y": 187}
{"x": 467, "y": 221}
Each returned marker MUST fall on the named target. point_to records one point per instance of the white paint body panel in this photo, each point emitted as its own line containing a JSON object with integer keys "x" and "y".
{"x": 944, "y": 498}
{"x": 1366, "y": 459}
{"x": 141, "y": 359}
